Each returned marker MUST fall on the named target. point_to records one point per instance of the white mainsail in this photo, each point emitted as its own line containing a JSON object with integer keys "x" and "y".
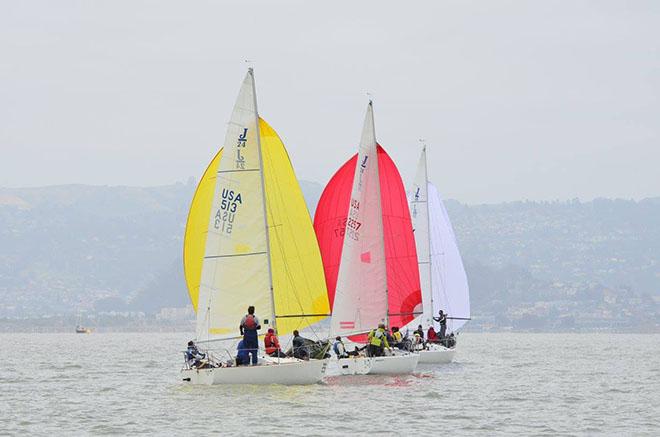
{"x": 442, "y": 275}
{"x": 420, "y": 221}
{"x": 237, "y": 252}
{"x": 361, "y": 293}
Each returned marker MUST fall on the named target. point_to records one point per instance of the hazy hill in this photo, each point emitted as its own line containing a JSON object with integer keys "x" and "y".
{"x": 529, "y": 263}
{"x": 65, "y": 247}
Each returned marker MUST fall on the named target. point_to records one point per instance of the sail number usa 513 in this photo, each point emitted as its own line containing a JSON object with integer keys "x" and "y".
{"x": 230, "y": 202}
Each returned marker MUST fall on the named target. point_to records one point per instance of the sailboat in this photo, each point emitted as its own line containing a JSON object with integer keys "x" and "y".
{"x": 365, "y": 234}
{"x": 80, "y": 329}
{"x": 249, "y": 240}
{"x": 443, "y": 279}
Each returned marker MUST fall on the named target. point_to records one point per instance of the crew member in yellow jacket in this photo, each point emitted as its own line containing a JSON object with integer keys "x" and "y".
{"x": 377, "y": 341}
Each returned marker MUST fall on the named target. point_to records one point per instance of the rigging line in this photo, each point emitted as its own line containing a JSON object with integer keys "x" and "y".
{"x": 233, "y": 255}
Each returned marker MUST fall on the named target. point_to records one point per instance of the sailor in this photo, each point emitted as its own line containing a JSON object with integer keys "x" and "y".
{"x": 431, "y": 336}
{"x": 193, "y": 355}
{"x": 272, "y": 344}
{"x": 450, "y": 341}
{"x": 377, "y": 341}
{"x": 388, "y": 334}
{"x": 420, "y": 331}
{"x": 299, "y": 348}
{"x": 418, "y": 341}
{"x": 339, "y": 348}
{"x": 242, "y": 355}
{"x": 397, "y": 338}
{"x": 249, "y": 327}
{"x": 442, "y": 319}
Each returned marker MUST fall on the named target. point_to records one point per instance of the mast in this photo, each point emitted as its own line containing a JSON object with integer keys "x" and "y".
{"x": 380, "y": 215}
{"x": 263, "y": 198}
{"x": 428, "y": 225}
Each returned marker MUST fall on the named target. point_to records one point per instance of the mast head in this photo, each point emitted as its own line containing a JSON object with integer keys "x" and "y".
{"x": 371, "y": 97}
{"x": 249, "y": 64}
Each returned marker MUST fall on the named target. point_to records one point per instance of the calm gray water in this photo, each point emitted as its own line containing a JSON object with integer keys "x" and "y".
{"x": 515, "y": 383}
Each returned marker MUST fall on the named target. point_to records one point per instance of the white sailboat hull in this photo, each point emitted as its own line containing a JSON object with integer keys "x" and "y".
{"x": 394, "y": 365}
{"x": 386, "y": 365}
{"x": 436, "y": 354}
{"x": 354, "y": 365}
{"x": 289, "y": 372}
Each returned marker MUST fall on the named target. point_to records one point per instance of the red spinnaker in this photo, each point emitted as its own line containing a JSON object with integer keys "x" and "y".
{"x": 404, "y": 294}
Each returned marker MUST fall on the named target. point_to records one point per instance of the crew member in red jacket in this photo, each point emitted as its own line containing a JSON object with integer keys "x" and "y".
{"x": 431, "y": 336}
{"x": 272, "y": 344}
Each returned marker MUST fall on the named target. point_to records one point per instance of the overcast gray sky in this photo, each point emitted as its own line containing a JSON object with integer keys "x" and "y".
{"x": 517, "y": 100}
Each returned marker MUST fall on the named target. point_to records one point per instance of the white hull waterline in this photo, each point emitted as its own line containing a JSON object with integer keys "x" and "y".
{"x": 436, "y": 354}
{"x": 386, "y": 365}
{"x": 288, "y": 372}
{"x": 394, "y": 365}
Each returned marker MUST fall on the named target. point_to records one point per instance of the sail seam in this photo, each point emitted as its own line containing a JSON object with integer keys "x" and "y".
{"x": 288, "y": 316}
{"x": 237, "y": 171}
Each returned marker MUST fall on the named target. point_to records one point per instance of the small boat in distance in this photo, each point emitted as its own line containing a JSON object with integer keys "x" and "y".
{"x": 80, "y": 329}
{"x": 442, "y": 276}
{"x": 365, "y": 234}
{"x": 249, "y": 241}
{"x": 83, "y": 330}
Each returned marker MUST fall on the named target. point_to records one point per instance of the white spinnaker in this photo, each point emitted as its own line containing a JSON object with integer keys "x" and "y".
{"x": 450, "y": 286}
{"x": 235, "y": 272}
{"x": 361, "y": 293}
{"x": 420, "y": 220}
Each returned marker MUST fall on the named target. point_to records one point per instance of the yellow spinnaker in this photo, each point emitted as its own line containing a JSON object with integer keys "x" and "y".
{"x": 194, "y": 239}
{"x": 299, "y": 288}
{"x": 298, "y": 279}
